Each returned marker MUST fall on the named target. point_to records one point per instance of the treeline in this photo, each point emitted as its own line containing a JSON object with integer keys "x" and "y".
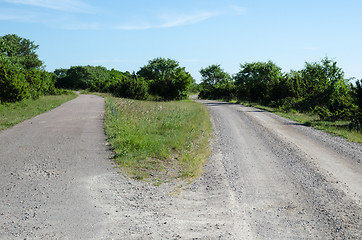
{"x": 22, "y": 75}
{"x": 160, "y": 79}
{"x": 21, "y": 72}
{"x": 319, "y": 88}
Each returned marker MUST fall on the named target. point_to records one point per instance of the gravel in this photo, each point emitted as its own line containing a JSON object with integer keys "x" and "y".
{"x": 261, "y": 182}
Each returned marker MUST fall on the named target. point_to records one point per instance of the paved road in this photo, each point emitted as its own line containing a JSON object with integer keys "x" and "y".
{"x": 47, "y": 168}
{"x": 268, "y": 178}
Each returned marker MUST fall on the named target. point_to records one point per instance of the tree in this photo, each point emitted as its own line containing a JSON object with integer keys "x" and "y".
{"x": 357, "y": 94}
{"x": 20, "y": 51}
{"x": 327, "y": 92}
{"x": 21, "y": 75}
{"x": 13, "y": 85}
{"x": 132, "y": 87}
{"x": 356, "y": 116}
{"x": 213, "y": 76}
{"x": 83, "y": 77}
{"x": 258, "y": 81}
{"x": 320, "y": 79}
{"x": 166, "y": 78}
{"x": 73, "y": 78}
{"x": 61, "y": 72}
{"x": 215, "y": 83}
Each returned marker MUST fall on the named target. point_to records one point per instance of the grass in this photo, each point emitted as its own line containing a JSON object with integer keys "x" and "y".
{"x": 158, "y": 141}
{"x": 14, "y": 113}
{"x": 337, "y": 128}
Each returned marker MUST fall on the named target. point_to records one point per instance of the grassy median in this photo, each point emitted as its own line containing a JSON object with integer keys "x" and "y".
{"x": 14, "y": 113}
{"x": 158, "y": 141}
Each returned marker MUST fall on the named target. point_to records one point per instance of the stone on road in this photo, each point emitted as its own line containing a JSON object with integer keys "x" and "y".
{"x": 285, "y": 180}
{"x": 267, "y": 178}
{"x": 47, "y": 168}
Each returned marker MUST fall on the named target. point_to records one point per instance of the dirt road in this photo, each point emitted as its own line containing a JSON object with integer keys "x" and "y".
{"x": 268, "y": 178}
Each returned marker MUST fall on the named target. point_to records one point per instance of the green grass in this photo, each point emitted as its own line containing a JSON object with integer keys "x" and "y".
{"x": 158, "y": 141}
{"x": 14, "y": 113}
{"x": 337, "y": 128}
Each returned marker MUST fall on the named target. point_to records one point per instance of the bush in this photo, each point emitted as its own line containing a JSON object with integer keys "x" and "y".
{"x": 166, "y": 79}
{"x": 21, "y": 75}
{"x": 216, "y": 84}
{"x": 13, "y": 85}
{"x": 20, "y": 51}
{"x": 82, "y": 77}
{"x": 356, "y": 116}
{"x": 135, "y": 88}
{"x": 259, "y": 82}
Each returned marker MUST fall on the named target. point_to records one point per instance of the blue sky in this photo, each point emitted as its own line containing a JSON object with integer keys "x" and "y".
{"x": 125, "y": 34}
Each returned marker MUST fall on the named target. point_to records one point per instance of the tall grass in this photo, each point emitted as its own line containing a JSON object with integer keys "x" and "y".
{"x": 14, "y": 113}
{"x": 158, "y": 140}
{"x": 340, "y": 128}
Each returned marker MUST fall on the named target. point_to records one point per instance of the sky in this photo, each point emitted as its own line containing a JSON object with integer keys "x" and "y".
{"x": 126, "y": 34}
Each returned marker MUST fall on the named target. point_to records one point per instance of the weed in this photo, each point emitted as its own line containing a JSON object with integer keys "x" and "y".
{"x": 337, "y": 128}
{"x": 158, "y": 140}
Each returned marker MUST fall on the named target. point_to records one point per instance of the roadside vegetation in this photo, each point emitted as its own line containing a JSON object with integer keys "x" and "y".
{"x": 158, "y": 141}
{"x": 151, "y": 138}
{"x": 155, "y": 132}
{"x": 26, "y": 89}
{"x": 22, "y": 73}
{"x": 340, "y": 128}
{"x": 160, "y": 79}
{"x": 317, "y": 95}
{"x": 14, "y": 113}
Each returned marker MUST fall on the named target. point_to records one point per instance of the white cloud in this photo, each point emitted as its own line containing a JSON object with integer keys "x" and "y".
{"x": 17, "y": 16}
{"x": 62, "y": 5}
{"x": 168, "y": 21}
{"x": 66, "y": 18}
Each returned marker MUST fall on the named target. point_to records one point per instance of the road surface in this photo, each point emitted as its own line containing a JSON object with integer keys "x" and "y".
{"x": 268, "y": 178}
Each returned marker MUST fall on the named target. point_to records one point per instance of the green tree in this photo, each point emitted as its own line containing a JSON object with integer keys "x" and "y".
{"x": 131, "y": 87}
{"x": 320, "y": 78}
{"x": 20, "y": 51}
{"x": 215, "y": 83}
{"x": 98, "y": 78}
{"x": 297, "y": 87}
{"x": 194, "y": 87}
{"x": 21, "y": 73}
{"x": 83, "y": 77}
{"x": 356, "y": 116}
{"x": 258, "y": 81}
{"x": 72, "y": 78}
{"x": 326, "y": 90}
{"x": 13, "y": 85}
{"x": 214, "y": 76}
{"x": 166, "y": 78}
{"x": 61, "y": 72}
{"x": 357, "y": 94}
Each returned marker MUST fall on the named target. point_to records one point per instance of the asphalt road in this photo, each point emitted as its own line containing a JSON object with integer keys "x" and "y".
{"x": 47, "y": 165}
{"x": 268, "y": 178}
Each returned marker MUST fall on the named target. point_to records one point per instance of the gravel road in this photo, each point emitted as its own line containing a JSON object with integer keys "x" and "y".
{"x": 268, "y": 178}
